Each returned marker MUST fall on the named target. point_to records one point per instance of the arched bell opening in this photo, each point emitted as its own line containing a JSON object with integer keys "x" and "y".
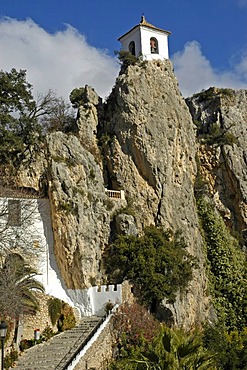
{"x": 132, "y": 48}
{"x": 154, "y": 46}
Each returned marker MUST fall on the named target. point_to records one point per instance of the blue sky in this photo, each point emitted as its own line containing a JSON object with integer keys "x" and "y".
{"x": 69, "y": 43}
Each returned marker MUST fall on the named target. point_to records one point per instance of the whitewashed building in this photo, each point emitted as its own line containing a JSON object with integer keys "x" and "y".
{"x": 146, "y": 41}
{"x": 26, "y": 229}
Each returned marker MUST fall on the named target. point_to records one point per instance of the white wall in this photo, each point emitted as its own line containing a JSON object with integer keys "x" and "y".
{"x": 146, "y": 34}
{"x": 132, "y": 36}
{"x": 92, "y": 301}
{"x": 141, "y": 36}
{"x": 34, "y": 240}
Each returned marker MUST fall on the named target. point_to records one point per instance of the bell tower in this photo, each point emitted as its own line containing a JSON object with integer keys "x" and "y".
{"x": 146, "y": 41}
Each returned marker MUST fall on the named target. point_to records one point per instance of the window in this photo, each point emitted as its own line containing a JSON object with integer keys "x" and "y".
{"x": 154, "y": 46}
{"x": 132, "y": 48}
{"x": 14, "y": 212}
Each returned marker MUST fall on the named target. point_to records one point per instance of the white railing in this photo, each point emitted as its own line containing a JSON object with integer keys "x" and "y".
{"x": 115, "y": 194}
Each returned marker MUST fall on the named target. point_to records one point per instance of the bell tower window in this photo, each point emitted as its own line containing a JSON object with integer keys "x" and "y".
{"x": 132, "y": 48}
{"x": 154, "y": 46}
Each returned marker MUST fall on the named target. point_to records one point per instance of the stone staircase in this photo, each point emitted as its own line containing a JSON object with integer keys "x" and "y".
{"x": 58, "y": 351}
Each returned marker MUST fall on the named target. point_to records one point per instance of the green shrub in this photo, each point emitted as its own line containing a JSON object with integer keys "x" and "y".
{"x": 26, "y": 344}
{"x": 10, "y": 358}
{"x": 206, "y": 95}
{"x": 55, "y": 306}
{"x": 157, "y": 263}
{"x": 126, "y": 59}
{"x": 200, "y": 185}
{"x": 108, "y": 203}
{"x": 227, "y": 266}
{"x": 219, "y": 136}
{"x": 77, "y": 97}
{"x": 66, "y": 319}
{"x": 61, "y": 314}
{"x": 230, "y": 347}
{"x": 47, "y": 333}
{"x": 67, "y": 207}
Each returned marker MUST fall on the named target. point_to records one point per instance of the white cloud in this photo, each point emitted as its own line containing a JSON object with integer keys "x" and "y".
{"x": 60, "y": 61}
{"x": 64, "y": 60}
{"x": 194, "y": 71}
{"x": 242, "y": 2}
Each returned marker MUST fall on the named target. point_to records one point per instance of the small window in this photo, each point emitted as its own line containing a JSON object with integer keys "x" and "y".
{"x": 154, "y": 46}
{"x": 132, "y": 48}
{"x": 14, "y": 212}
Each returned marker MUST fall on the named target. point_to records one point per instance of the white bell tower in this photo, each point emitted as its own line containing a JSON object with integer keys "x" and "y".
{"x": 146, "y": 41}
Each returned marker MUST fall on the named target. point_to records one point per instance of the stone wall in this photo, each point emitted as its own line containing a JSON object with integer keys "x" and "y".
{"x": 100, "y": 352}
{"x": 38, "y": 321}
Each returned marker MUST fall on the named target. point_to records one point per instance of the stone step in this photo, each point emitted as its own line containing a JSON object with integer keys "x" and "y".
{"x": 58, "y": 349}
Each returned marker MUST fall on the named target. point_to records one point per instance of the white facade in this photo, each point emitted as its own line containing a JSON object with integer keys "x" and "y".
{"x": 26, "y": 228}
{"x": 142, "y": 36}
{"x": 92, "y": 301}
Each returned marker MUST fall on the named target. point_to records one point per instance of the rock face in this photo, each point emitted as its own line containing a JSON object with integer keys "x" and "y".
{"x": 150, "y": 153}
{"x": 225, "y": 166}
{"x": 142, "y": 141}
{"x": 80, "y": 211}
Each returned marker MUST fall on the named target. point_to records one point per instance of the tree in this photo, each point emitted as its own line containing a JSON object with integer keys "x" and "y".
{"x": 18, "y": 126}
{"x": 17, "y": 286}
{"x": 157, "y": 263}
{"x": 77, "y": 97}
{"x": 21, "y": 117}
{"x": 54, "y": 113}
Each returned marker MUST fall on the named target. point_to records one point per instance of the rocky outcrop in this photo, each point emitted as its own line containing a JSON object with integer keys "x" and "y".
{"x": 142, "y": 141}
{"x": 150, "y": 153}
{"x": 80, "y": 210}
{"x": 88, "y": 116}
{"x": 224, "y": 164}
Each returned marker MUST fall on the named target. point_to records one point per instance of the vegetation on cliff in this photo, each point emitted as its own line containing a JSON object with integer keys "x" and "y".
{"x": 126, "y": 59}
{"x": 227, "y": 268}
{"x": 157, "y": 263}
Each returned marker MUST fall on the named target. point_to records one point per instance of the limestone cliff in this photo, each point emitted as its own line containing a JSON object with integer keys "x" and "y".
{"x": 150, "y": 153}
{"x": 224, "y": 166}
{"x": 148, "y": 148}
{"x": 141, "y": 140}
